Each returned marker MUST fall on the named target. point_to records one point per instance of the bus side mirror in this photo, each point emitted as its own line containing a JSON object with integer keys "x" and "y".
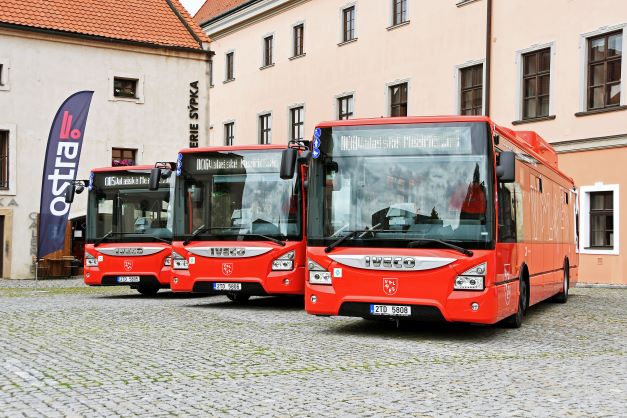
{"x": 506, "y": 170}
{"x": 288, "y": 163}
{"x": 69, "y": 193}
{"x": 155, "y": 177}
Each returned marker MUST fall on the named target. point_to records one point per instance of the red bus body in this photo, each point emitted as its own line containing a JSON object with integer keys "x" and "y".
{"x": 245, "y": 263}
{"x": 143, "y": 263}
{"x": 543, "y": 257}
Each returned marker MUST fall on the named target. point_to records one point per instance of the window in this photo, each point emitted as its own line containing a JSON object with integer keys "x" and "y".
{"x": 1, "y": 74}
{"x": 4, "y": 160}
{"x": 298, "y": 123}
{"x": 229, "y": 133}
{"x": 398, "y": 100}
{"x": 399, "y": 12}
{"x": 471, "y": 94}
{"x": 536, "y": 83}
{"x": 267, "y": 51}
{"x": 265, "y": 129}
{"x": 604, "y": 68}
{"x": 602, "y": 219}
{"x": 4, "y": 75}
{"x": 349, "y": 24}
{"x": 125, "y": 87}
{"x": 345, "y": 107}
{"x": 229, "y": 66}
{"x": 123, "y": 157}
{"x": 299, "y": 38}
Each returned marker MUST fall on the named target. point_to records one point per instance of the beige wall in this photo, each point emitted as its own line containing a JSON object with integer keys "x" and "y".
{"x": 365, "y": 67}
{"x": 44, "y": 72}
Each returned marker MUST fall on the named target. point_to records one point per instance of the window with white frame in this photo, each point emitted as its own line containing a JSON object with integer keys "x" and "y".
{"x": 604, "y": 70}
{"x": 4, "y": 160}
{"x": 229, "y": 133}
{"x": 471, "y": 90}
{"x": 297, "y": 123}
{"x": 399, "y": 12}
{"x": 4, "y": 74}
{"x": 345, "y": 107}
{"x": 265, "y": 129}
{"x": 599, "y": 219}
{"x": 8, "y": 154}
{"x": 126, "y": 87}
{"x": 348, "y": 24}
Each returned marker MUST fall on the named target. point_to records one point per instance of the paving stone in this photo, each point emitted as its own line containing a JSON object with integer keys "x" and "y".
{"x": 70, "y": 350}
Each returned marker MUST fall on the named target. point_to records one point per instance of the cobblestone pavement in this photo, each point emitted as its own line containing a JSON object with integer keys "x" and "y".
{"x": 71, "y": 350}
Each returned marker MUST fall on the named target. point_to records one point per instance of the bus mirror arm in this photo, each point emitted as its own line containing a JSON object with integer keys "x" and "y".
{"x": 506, "y": 170}
{"x": 74, "y": 187}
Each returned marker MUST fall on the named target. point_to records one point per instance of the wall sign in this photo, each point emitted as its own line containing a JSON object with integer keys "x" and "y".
{"x": 193, "y": 114}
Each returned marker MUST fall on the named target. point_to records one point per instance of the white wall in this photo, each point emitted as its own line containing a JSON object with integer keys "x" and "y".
{"x": 44, "y": 73}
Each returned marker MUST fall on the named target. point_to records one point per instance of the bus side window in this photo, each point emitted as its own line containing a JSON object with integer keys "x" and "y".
{"x": 507, "y": 212}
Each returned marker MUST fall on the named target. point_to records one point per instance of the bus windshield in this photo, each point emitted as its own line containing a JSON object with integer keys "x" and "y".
{"x": 122, "y": 209}
{"x": 405, "y": 182}
{"x": 236, "y": 195}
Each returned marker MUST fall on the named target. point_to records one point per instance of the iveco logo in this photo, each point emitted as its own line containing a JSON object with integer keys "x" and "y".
{"x": 228, "y": 252}
{"x": 129, "y": 251}
{"x": 389, "y": 262}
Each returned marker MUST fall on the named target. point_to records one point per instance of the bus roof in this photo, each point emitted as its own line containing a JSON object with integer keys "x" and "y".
{"x": 122, "y": 168}
{"x": 233, "y": 148}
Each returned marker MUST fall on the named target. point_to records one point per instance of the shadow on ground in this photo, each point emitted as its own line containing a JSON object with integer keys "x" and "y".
{"x": 163, "y": 295}
{"x": 282, "y": 303}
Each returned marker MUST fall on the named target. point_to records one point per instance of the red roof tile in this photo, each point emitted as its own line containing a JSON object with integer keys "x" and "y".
{"x": 145, "y": 21}
{"x": 213, "y": 8}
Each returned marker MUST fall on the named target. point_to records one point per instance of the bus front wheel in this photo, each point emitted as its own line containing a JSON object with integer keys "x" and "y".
{"x": 515, "y": 321}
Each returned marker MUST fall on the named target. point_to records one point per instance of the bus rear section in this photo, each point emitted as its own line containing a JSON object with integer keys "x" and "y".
{"x": 129, "y": 230}
{"x": 239, "y": 227}
{"x": 404, "y": 223}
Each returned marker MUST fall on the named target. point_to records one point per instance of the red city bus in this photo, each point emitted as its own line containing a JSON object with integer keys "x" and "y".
{"x": 129, "y": 229}
{"x": 238, "y": 227}
{"x": 436, "y": 218}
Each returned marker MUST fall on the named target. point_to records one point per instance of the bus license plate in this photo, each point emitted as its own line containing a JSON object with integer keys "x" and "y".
{"x": 390, "y": 310}
{"x": 231, "y": 287}
{"x": 128, "y": 279}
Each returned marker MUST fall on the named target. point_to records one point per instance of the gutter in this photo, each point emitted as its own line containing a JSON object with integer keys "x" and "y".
{"x": 488, "y": 56}
{"x": 228, "y": 12}
{"x": 184, "y": 22}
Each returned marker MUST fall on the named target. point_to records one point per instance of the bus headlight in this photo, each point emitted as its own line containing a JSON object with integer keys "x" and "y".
{"x": 90, "y": 260}
{"x": 317, "y": 274}
{"x": 471, "y": 279}
{"x": 167, "y": 262}
{"x": 180, "y": 263}
{"x": 285, "y": 262}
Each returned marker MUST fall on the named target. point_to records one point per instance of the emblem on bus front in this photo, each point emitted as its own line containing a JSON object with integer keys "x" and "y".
{"x": 390, "y": 286}
{"x": 227, "y": 269}
{"x": 128, "y": 265}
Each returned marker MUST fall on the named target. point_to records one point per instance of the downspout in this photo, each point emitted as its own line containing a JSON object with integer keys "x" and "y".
{"x": 210, "y": 55}
{"x": 488, "y": 56}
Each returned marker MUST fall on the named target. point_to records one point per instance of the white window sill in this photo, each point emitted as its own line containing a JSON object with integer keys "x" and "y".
{"x": 350, "y": 41}
{"x": 599, "y": 251}
{"x": 126, "y": 99}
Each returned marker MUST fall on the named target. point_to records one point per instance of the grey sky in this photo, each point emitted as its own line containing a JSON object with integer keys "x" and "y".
{"x": 192, "y": 5}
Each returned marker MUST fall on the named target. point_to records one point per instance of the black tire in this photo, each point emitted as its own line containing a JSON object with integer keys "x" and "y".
{"x": 562, "y": 297}
{"x": 516, "y": 320}
{"x": 148, "y": 290}
{"x": 238, "y": 297}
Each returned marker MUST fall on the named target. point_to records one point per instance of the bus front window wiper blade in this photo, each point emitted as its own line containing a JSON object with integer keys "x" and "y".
{"x": 195, "y": 234}
{"x": 419, "y": 242}
{"x": 267, "y": 238}
{"x": 111, "y": 233}
{"x": 102, "y": 238}
{"x": 350, "y": 235}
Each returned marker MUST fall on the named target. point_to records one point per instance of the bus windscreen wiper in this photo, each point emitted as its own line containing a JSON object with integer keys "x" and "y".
{"x": 110, "y": 233}
{"x": 348, "y": 236}
{"x": 419, "y": 242}
{"x": 267, "y": 238}
{"x": 195, "y": 234}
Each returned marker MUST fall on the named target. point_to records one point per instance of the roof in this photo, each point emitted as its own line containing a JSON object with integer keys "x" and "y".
{"x": 214, "y": 8}
{"x": 157, "y": 22}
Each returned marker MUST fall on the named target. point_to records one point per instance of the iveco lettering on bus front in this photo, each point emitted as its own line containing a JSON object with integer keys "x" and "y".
{"x": 442, "y": 218}
{"x": 238, "y": 227}
{"x": 129, "y": 229}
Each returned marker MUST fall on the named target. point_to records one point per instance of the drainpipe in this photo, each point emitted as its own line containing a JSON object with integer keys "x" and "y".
{"x": 208, "y": 74}
{"x": 488, "y": 55}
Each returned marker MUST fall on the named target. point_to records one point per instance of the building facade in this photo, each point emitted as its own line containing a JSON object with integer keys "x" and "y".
{"x": 145, "y": 85}
{"x": 281, "y": 66}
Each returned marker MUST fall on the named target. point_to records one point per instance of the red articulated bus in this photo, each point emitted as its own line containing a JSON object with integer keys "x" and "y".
{"x": 239, "y": 227}
{"x": 436, "y": 218}
{"x": 129, "y": 229}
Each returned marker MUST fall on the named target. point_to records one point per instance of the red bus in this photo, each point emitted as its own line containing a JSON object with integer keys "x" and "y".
{"x": 436, "y": 218}
{"x": 129, "y": 229}
{"x": 238, "y": 227}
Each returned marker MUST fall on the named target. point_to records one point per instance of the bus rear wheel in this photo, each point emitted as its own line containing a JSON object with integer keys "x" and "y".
{"x": 562, "y": 297}
{"x": 237, "y": 297}
{"x": 516, "y": 320}
{"x": 148, "y": 290}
